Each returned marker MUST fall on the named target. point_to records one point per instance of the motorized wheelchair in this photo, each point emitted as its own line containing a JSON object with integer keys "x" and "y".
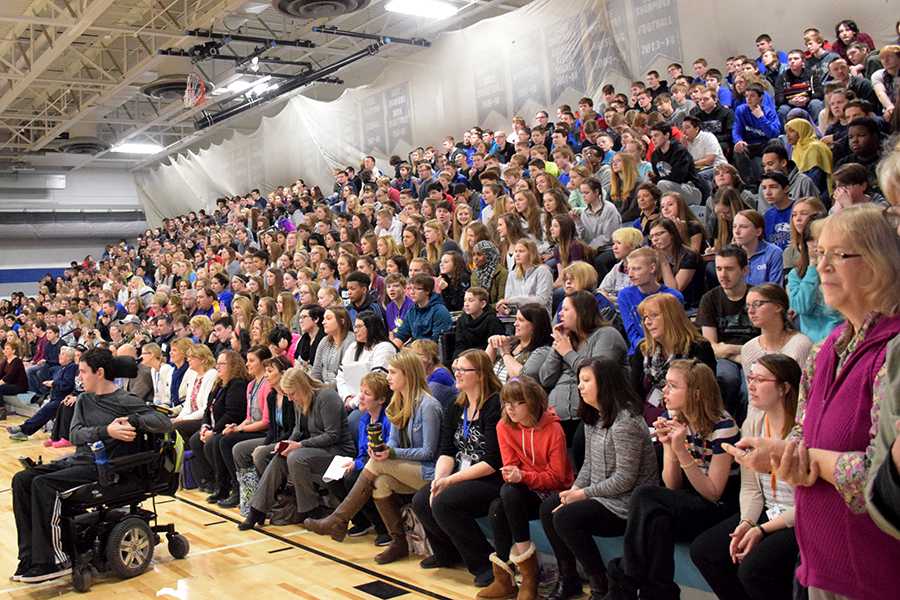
{"x": 105, "y": 526}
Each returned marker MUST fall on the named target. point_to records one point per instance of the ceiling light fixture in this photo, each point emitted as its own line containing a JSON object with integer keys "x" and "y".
{"x": 429, "y": 9}
{"x": 137, "y": 148}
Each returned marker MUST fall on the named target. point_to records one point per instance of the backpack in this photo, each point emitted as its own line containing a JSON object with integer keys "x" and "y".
{"x": 415, "y": 533}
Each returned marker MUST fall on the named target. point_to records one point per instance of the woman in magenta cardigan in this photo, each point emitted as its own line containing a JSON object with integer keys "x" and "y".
{"x": 842, "y": 552}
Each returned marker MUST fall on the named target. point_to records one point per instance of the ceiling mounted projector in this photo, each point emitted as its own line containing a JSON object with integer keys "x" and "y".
{"x": 318, "y": 9}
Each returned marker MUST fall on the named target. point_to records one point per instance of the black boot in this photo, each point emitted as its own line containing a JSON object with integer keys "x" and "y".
{"x": 220, "y": 494}
{"x": 568, "y": 584}
{"x": 620, "y": 586}
{"x": 232, "y": 499}
{"x": 599, "y": 586}
{"x": 256, "y": 517}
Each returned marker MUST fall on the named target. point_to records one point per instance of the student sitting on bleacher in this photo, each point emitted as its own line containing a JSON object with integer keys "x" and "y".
{"x": 467, "y": 473}
{"x": 619, "y": 457}
{"x": 752, "y": 554}
{"x": 477, "y": 324}
{"x": 535, "y": 464}
{"x": 700, "y": 480}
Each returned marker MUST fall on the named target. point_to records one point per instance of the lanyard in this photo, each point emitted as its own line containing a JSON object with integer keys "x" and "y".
{"x": 774, "y": 479}
{"x": 466, "y": 422}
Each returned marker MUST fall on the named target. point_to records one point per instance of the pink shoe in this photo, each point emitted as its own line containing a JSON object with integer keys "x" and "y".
{"x": 61, "y": 443}
{"x": 48, "y": 443}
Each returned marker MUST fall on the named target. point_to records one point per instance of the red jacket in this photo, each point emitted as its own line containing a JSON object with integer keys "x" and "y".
{"x": 539, "y": 452}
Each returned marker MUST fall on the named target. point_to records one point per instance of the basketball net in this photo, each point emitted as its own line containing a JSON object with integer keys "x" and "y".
{"x": 194, "y": 91}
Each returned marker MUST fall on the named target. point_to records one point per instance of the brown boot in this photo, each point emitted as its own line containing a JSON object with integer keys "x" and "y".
{"x": 504, "y": 584}
{"x": 527, "y": 563}
{"x": 336, "y": 523}
{"x": 389, "y": 509}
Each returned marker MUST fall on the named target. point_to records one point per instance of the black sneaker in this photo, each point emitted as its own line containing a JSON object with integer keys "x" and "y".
{"x": 232, "y": 501}
{"x": 360, "y": 530}
{"x": 213, "y": 498}
{"x": 39, "y": 573}
{"x": 432, "y": 562}
{"x": 383, "y": 539}
{"x": 23, "y": 567}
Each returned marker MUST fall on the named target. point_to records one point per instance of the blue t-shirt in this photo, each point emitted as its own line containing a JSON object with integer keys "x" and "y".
{"x": 766, "y": 265}
{"x": 778, "y": 225}
{"x": 629, "y": 299}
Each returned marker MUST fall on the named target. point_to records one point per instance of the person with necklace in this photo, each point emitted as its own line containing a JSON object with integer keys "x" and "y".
{"x": 752, "y": 553}
{"x": 767, "y": 307}
{"x": 467, "y": 474}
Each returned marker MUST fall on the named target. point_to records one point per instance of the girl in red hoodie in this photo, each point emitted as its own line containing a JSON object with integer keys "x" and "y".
{"x": 535, "y": 465}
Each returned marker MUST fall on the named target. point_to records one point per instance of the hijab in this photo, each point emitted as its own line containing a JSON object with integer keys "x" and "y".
{"x": 485, "y": 274}
{"x": 809, "y": 152}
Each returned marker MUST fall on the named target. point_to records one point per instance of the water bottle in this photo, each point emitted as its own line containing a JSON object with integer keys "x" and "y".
{"x": 102, "y": 461}
{"x": 374, "y": 433}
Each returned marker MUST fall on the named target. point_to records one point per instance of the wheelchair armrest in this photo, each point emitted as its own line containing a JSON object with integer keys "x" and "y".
{"x": 66, "y": 494}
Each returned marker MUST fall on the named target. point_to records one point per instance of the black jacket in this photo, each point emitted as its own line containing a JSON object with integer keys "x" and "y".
{"x": 474, "y": 333}
{"x": 719, "y": 122}
{"x": 274, "y": 433}
{"x": 227, "y": 405}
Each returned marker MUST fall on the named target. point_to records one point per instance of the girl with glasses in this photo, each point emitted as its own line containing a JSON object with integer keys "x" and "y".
{"x": 467, "y": 474}
{"x": 700, "y": 484}
{"x": 752, "y": 554}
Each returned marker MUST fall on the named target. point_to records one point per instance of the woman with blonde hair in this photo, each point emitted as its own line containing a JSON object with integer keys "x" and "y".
{"x": 467, "y": 474}
{"x": 462, "y": 217}
{"x": 624, "y": 240}
{"x": 668, "y": 335}
{"x": 320, "y": 433}
{"x": 387, "y": 246}
{"x": 287, "y": 311}
{"x": 403, "y": 466}
{"x": 803, "y": 212}
{"x": 436, "y": 242}
{"x": 267, "y": 307}
{"x": 196, "y": 387}
{"x": 623, "y": 185}
{"x": 243, "y": 311}
{"x": 700, "y": 483}
{"x": 260, "y": 329}
{"x": 531, "y": 281}
{"x": 201, "y": 328}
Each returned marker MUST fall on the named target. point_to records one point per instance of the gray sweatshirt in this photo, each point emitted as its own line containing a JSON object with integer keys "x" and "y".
{"x": 616, "y": 461}
{"x": 535, "y": 287}
{"x": 94, "y": 413}
{"x": 559, "y": 374}
{"x": 596, "y": 228}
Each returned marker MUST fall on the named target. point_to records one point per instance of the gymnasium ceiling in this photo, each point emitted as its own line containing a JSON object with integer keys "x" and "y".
{"x": 75, "y": 68}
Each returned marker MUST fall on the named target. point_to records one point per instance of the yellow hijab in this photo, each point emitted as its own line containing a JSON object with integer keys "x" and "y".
{"x": 809, "y": 152}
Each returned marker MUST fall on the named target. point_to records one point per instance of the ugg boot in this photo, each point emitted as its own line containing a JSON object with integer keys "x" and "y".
{"x": 336, "y": 523}
{"x": 527, "y": 564}
{"x": 389, "y": 509}
{"x": 504, "y": 585}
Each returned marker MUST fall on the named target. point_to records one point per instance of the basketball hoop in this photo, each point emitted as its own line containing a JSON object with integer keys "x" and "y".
{"x": 194, "y": 91}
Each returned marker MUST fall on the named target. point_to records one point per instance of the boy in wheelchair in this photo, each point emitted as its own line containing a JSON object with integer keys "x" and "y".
{"x": 104, "y": 412}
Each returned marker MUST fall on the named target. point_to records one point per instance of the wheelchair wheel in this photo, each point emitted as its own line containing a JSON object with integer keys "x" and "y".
{"x": 83, "y": 579}
{"x": 129, "y": 548}
{"x": 179, "y": 546}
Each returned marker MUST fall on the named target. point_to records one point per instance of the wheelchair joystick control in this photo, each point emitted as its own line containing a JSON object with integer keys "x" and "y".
{"x": 106, "y": 477}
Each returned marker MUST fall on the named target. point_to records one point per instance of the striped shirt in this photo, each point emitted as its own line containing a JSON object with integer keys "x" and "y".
{"x": 703, "y": 448}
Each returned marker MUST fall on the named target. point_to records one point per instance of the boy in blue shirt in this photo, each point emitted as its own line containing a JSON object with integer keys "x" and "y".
{"x": 644, "y": 272}
{"x": 774, "y": 189}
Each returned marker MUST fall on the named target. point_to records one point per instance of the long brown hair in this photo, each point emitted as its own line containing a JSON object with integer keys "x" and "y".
{"x": 787, "y": 372}
{"x": 524, "y": 390}
{"x": 490, "y": 384}
{"x": 703, "y": 405}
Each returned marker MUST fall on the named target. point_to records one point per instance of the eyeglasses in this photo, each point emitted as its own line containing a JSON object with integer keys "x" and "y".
{"x": 835, "y": 256}
{"x": 757, "y": 305}
{"x": 463, "y": 370}
{"x": 756, "y": 379}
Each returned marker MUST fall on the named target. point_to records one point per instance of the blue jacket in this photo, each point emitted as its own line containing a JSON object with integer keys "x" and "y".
{"x": 766, "y": 265}
{"x": 424, "y": 434}
{"x": 817, "y": 320}
{"x": 753, "y": 130}
{"x": 629, "y": 299}
{"x": 362, "y": 437}
{"x": 443, "y": 387}
{"x": 63, "y": 382}
{"x": 429, "y": 322}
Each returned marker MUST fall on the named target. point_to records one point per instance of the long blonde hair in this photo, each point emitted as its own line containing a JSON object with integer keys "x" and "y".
{"x": 678, "y": 331}
{"x": 621, "y": 185}
{"x": 703, "y": 405}
{"x": 405, "y": 402}
{"x": 433, "y": 249}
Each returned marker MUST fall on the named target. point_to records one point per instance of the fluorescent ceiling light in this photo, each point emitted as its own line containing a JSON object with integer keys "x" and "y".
{"x": 241, "y": 85}
{"x": 430, "y": 9}
{"x": 137, "y": 148}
